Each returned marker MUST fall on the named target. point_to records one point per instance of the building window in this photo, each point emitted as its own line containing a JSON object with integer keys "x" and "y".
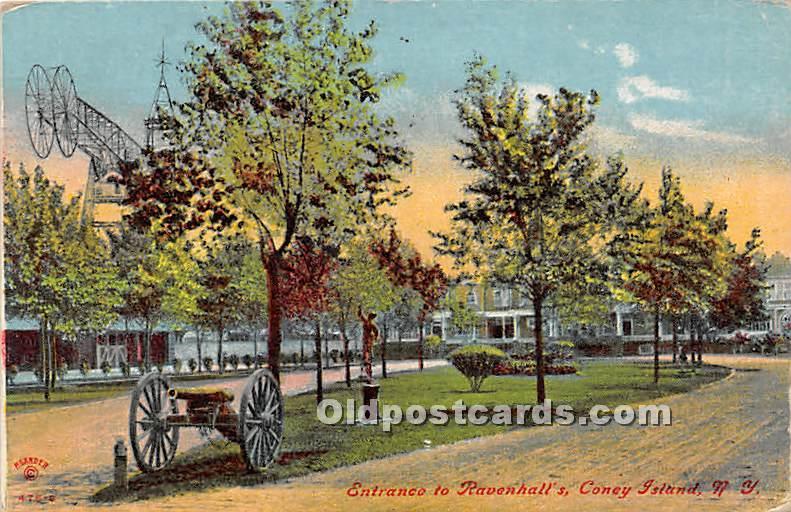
{"x": 471, "y": 297}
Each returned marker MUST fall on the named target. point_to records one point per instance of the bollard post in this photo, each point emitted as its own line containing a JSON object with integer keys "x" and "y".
{"x": 121, "y": 482}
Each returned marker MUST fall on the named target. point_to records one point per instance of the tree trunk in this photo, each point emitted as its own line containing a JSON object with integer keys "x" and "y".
{"x": 692, "y": 340}
{"x": 384, "y": 350}
{"x": 301, "y": 352}
{"x": 656, "y": 346}
{"x": 326, "y": 353}
{"x": 147, "y": 348}
{"x": 674, "y": 327}
{"x": 347, "y": 365}
{"x": 538, "y": 332}
{"x": 55, "y": 365}
{"x": 420, "y": 346}
{"x": 200, "y": 349}
{"x": 275, "y": 311}
{"x": 700, "y": 343}
{"x": 220, "y": 362}
{"x": 255, "y": 348}
{"x": 319, "y": 381}
{"x": 42, "y": 345}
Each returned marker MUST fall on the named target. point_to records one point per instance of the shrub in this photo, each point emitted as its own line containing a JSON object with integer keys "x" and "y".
{"x": 261, "y": 359}
{"x": 432, "y": 341}
{"x": 84, "y": 367}
{"x": 106, "y": 368}
{"x": 247, "y": 360}
{"x": 476, "y": 362}
{"x": 177, "y": 364}
{"x": 234, "y": 360}
{"x": 192, "y": 364}
{"x": 126, "y": 370}
{"x": 208, "y": 362}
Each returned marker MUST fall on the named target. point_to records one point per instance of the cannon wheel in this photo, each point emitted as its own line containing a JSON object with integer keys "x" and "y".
{"x": 153, "y": 441}
{"x": 260, "y": 420}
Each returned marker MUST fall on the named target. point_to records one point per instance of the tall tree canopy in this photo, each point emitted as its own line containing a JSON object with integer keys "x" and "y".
{"x": 279, "y": 137}
{"x": 743, "y": 300}
{"x": 539, "y": 207}
{"x": 57, "y": 269}
{"x": 676, "y": 259}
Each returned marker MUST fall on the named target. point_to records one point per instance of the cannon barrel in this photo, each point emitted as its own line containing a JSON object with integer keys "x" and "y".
{"x": 201, "y": 395}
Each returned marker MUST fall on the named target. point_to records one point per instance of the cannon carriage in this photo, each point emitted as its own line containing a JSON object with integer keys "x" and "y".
{"x": 158, "y": 411}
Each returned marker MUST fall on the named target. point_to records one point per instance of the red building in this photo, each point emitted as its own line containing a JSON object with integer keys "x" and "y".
{"x": 119, "y": 343}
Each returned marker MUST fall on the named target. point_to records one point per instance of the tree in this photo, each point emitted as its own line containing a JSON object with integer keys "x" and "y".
{"x": 743, "y": 300}
{"x": 463, "y": 318}
{"x": 406, "y": 269}
{"x": 674, "y": 261}
{"x": 220, "y": 281}
{"x": 57, "y": 270}
{"x": 159, "y": 280}
{"x": 279, "y": 135}
{"x": 253, "y": 305}
{"x": 364, "y": 289}
{"x": 539, "y": 210}
{"x": 307, "y": 293}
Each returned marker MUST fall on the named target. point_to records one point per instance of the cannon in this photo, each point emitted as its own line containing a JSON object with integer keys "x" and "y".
{"x": 158, "y": 410}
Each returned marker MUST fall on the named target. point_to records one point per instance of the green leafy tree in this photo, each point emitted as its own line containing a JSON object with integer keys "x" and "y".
{"x": 279, "y": 134}
{"x": 221, "y": 278}
{"x": 58, "y": 271}
{"x": 159, "y": 280}
{"x": 364, "y": 289}
{"x": 253, "y": 296}
{"x": 743, "y": 300}
{"x": 462, "y": 317}
{"x": 539, "y": 210}
{"x": 674, "y": 261}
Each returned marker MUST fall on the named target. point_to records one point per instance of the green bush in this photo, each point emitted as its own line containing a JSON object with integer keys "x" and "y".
{"x": 177, "y": 364}
{"x": 84, "y": 367}
{"x": 234, "y": 360}
{"x": 208, "y": 362}
{"x": 247, "y": 360}
{"x": 126, "y": 370}
{"x": 106, "y": 368}
{"x": 476, "y": 362}
{"x": 432, "y": 342}
{"x": 192, "y": 364}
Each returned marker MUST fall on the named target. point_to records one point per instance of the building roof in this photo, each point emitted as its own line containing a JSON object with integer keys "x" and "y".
{"x": 31, "y": 324}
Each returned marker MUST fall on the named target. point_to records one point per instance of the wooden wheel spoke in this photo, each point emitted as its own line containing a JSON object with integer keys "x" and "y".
{"x": 253, "y": 411}
{"x": 150, "y": 401}
{"x": 254, "y": 445}
{"x": 148, "y": 450}
{"x": 250, "y": 433}
{"x": 146, "y": 410}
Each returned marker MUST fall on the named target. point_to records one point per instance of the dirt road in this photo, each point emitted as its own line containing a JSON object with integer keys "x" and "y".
{"x": 76, "y": 441}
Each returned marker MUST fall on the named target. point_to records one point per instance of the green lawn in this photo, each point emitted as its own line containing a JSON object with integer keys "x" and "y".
{"x": 310, "y": 446}
{"x": 25, "y": 401}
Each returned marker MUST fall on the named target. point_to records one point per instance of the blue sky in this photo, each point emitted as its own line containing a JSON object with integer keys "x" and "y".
{"x": 718, "y": 67}
{"x": 680, "y": 81}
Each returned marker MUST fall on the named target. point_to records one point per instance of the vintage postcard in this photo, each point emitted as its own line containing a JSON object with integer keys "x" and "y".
{"x": 396, "y": 255}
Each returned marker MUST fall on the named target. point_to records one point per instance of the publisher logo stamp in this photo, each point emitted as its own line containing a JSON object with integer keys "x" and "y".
{"x": 30, "y": 467}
